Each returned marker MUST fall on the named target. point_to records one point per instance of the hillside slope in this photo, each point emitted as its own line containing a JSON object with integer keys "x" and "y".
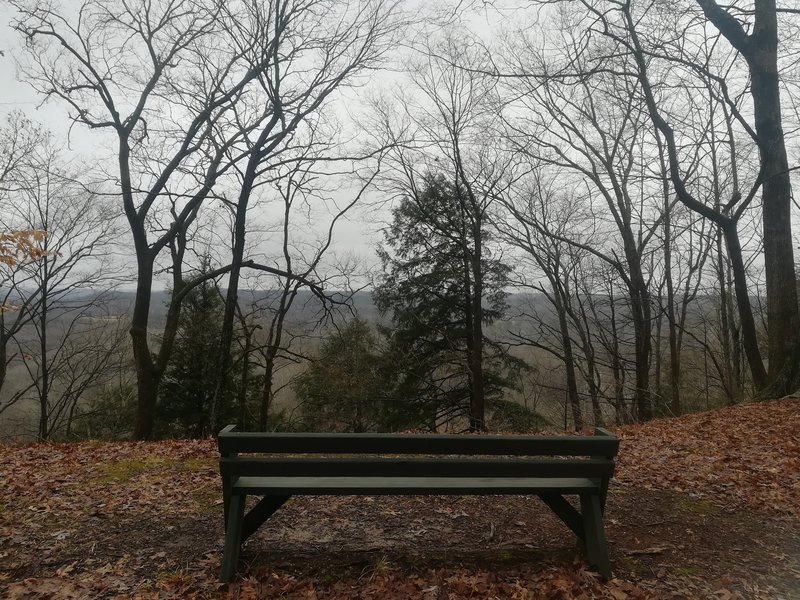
{"x": 704, "y": 506}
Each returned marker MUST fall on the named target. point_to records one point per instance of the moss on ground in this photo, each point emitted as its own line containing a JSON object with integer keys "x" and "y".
{"x": 699, "y": 506}
{"x": 207, "y": 500}
{"x": 686, "y": 571}
{"x": 123, "y": 471}
{"x": 194, "y": 464}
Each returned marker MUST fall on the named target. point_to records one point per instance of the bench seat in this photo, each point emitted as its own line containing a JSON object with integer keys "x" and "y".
{"x": 277, "y": 466}
{"x": 389, "y": 486}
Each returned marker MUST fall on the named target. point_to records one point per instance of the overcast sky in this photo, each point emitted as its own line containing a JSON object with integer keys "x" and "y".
{"x": 356, "y": 235}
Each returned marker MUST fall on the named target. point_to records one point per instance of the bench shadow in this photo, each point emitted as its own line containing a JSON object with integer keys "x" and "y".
{"x": 330, "y": 563}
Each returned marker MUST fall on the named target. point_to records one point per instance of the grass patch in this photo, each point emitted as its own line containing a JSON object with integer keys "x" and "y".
{"x": 686, "y": 571}
{"x": 124, "y": 471}
{"x": 629, "y": 565}
{"x": 207, "y": 500}
{"x": 194, "y": 464}
{"x": 699, "y": 506}
{"x": 380, "y": 565}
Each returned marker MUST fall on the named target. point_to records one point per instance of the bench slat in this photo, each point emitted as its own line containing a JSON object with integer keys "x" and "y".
{"x": 382, "y": 486}
{"x": 550, "y": 467}
{"x": 231, "y": 442}
{"x": 420, "y": 467}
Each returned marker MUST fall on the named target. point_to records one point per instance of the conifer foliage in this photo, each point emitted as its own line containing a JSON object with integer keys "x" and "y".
{"x": 441, "y": 285}
{"x": 185, "y": 399}
{"x": 345, "y": 388}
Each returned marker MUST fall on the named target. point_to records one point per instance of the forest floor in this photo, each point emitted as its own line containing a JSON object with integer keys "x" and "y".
{"x": 702, "y": 506}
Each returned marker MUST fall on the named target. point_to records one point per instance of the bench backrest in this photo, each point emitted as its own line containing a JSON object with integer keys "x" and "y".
{"x": 412, "y": 455}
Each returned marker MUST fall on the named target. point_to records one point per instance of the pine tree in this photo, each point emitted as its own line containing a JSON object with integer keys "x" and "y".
{"x": 441, "y": 285}
{"x": 344, "y": 389}
{"x": 186, "y": 394}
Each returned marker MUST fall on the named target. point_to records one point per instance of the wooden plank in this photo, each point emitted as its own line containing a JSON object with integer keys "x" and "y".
{"x": 380, "y": 443}
{"x": 602, "y": 431}
{"x": 375, "y": 486}
{"x": 605, "y": 480}
{"x": 566, "y": 512}
{"x": 417, "y": 467}
{"x": 233, "y": 537}
{"x": 262, "y": 511}
{"x": 596, "y": 546}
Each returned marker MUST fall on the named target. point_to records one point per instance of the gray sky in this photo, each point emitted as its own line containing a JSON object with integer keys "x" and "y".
{"x": 355, "y": 235}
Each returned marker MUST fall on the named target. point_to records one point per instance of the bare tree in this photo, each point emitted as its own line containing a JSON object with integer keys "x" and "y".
{"x": 73, "y": 281}
{"x": 354, "y": 38}
{"x": 313, "y": 194}
{"x": 592, "y": 130}
{"x": 191, "y": 91}
{"x": 62, "y": 288}
{"x": 20, "y": 245}
{"x": 443, "y": 130}
{"x": 758, "y": 49}
{"x": 538, "y": 223}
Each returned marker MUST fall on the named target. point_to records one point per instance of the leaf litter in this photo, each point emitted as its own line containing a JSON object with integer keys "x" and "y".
{"x": 702, "y": 506}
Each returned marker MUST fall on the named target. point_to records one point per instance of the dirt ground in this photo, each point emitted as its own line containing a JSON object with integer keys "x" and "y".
{"x": 145, "y": 521}
{"x": 667, "y": 543}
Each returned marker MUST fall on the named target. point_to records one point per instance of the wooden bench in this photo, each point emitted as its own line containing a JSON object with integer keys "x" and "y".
{"x": 281, "y": 465}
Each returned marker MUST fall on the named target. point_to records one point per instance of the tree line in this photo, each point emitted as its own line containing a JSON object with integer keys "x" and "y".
{"x": 626, "y": 163}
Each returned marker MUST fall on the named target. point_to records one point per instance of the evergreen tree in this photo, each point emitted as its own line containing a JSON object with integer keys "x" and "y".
{"x": 186, "y": 394}
{"x": 344, "y": 389}
{"x": 441, "y": 285}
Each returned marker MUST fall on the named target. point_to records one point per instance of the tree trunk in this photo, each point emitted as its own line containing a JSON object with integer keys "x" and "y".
{"x": 592, "y": 374}
{"x": 658, "y": 357}
{"x": 232, "y": 294}
{"x": 674, "y": 353}
{"x": 616, "y": 365}
{"x": 641, "y": 312}
{"x": 760, "y": 49}
{"x": 737, "y": 360}
{"x": 258, "y": 152}
{"x": 266, "y": 395}
{"x": 478, "y": 397}
{"x": 148, "y": 376}
{"x": 569, "y": 361}
{"x": 244, "y": 381}
{"x": 725, "y": 329}
{"x": 782, "y": 310}
{"x": 478, "y": 408}
{"x": 477, "y": 416}
{"x": 748, "y": 325}
{"x": 44, "y": 387}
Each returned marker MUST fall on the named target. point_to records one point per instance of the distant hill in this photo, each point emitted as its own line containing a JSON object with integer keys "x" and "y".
{"x": 308, "y": 307}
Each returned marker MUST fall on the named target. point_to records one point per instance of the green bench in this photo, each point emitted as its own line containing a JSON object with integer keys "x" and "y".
{"x": 277, "y": 466}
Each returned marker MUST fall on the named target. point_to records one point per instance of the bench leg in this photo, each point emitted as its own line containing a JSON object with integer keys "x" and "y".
{"x": 262, "y": 511}
{"x": 226, "y": 500}
{"x": 564, "y": 511}
{"x": 233, "y": 537}
{"x": 596, "y": 547}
